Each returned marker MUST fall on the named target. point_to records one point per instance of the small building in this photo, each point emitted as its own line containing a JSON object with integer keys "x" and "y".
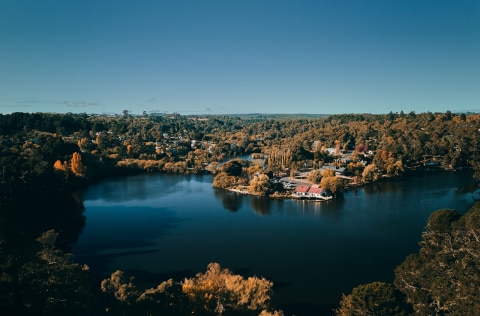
{"x": 301, "y": 191}
{"x": 318, "y": 193}
{"x": 314, "y": 193}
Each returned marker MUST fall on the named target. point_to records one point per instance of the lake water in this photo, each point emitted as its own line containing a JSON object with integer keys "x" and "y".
{"x": 161, "y": 226}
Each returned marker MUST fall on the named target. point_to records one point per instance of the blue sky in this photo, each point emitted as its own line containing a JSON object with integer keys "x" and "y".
{"x": 244, "y": 56}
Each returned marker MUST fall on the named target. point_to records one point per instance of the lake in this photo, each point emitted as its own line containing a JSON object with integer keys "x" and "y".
{"x": 161, "y": 226}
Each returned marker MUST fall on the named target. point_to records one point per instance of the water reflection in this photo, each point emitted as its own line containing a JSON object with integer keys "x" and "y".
{"x": 131, "y": 231}
{"x": 328, "y": 209}
{"x": 358, "y": 238}
{"x": 260, "y": 205}
{"x": 33, "y": 213}
{"x": 230, "y": 200}
{"x": 143, "y": 187}
{"x": 383, "y": 187}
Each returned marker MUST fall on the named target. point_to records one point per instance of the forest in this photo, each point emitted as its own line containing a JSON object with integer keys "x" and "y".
{"x": 45, "y": 159}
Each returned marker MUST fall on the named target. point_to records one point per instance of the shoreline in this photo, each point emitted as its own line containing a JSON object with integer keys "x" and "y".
{"x": 351, "y": 186}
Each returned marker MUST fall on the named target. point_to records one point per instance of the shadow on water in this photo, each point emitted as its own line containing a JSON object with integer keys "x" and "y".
{"x": 130, "y": 231}
{"x": 230, "y": 201}
{"x": 99, "y": 263}
{"x": 234, "y": 201}
{"x": 260, "y": 205}
{"x": 31, "y": 213}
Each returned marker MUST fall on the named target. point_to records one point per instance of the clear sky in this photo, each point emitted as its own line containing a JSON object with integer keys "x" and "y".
{"x": 239, "y": 56}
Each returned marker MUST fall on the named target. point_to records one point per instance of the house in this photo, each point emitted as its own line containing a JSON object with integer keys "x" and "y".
{"x": 314, "y": 193}
{"x": 301, "y": 191}
{"x": 318, "y": 193}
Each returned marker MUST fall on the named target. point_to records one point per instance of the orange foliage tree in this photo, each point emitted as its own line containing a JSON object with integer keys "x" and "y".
{"x": 76, "y": 164}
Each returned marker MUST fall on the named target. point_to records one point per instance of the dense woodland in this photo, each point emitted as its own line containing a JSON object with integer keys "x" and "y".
{"x": 46, "y": 158}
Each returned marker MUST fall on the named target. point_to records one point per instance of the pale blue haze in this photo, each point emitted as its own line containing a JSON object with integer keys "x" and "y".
{"x": 216, "y": 57}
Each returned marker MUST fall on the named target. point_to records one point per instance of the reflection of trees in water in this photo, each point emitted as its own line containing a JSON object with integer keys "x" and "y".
{"x": 467, "y": 188}
{"x": 330, "y": 209}
{"x": 33, "y": 212}
{"x": 144, "y": 186}
{"x": 260, "y": 205}
{"x": 132, "y": 231}
{"x": 462, "y": 182}
{"x": 38, "y": 277}
{"x": 230, "y": 201}
{"x": 386, "y": 186}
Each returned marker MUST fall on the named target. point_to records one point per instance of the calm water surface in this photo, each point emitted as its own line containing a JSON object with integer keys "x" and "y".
{"x": 162, "y": 226}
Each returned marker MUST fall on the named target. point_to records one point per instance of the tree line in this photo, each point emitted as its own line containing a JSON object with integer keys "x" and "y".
{"x": 190, "y": 144}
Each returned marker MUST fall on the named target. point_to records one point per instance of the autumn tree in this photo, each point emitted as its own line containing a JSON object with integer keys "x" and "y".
{"x": 394, "y": 167}
{"x": 219, "y": 290}
{"x": 271, "y": 313}
{"x": 315, "y": 176}
{"x": 377, "y": 298}
{"x": 355, "y": 168}
{"x": 59, "y": 166}
{"x": 371, "y": 173}
{"x": 332, "y": 184}
{"x": 165, "y": 299}
{"x": 76, "y": 165}
{"x": 62, "y": 169}
{"x": 326, "y": 173}
{"x": 223, "y": 181}
{"x": 254, "y": 170}
{"x": 123, "y": 289}
{"x": 444, "y": 277}
{"x": 260, "y": 184}
{"x": 279, "y": 159}
{"x": 233, "y": 167}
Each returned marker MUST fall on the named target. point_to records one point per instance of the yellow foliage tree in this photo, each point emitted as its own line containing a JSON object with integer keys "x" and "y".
{"x": 59, "y": 166}
{"x": 328, "y": 173}
{"x": 260, "y": 184}
{"x": 332, "y": 184}
{"x": 315, "y": 176}
{"x": 218, "y": 290}
{"x": 76, "y": 164}
{"x": 84, "y": 144}
{"x": 371, "y": 173}
{"x": 62, "y": 167}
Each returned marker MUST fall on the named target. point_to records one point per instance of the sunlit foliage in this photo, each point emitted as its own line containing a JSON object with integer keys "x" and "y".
{"x": 374, "y": 299}
{"x": 260, "y": 184}
{"x": 315, "y": 176}
{"x": 218, "y": 289}
{"x": 371, "y": 173}
{"x": 76, "y": 165}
